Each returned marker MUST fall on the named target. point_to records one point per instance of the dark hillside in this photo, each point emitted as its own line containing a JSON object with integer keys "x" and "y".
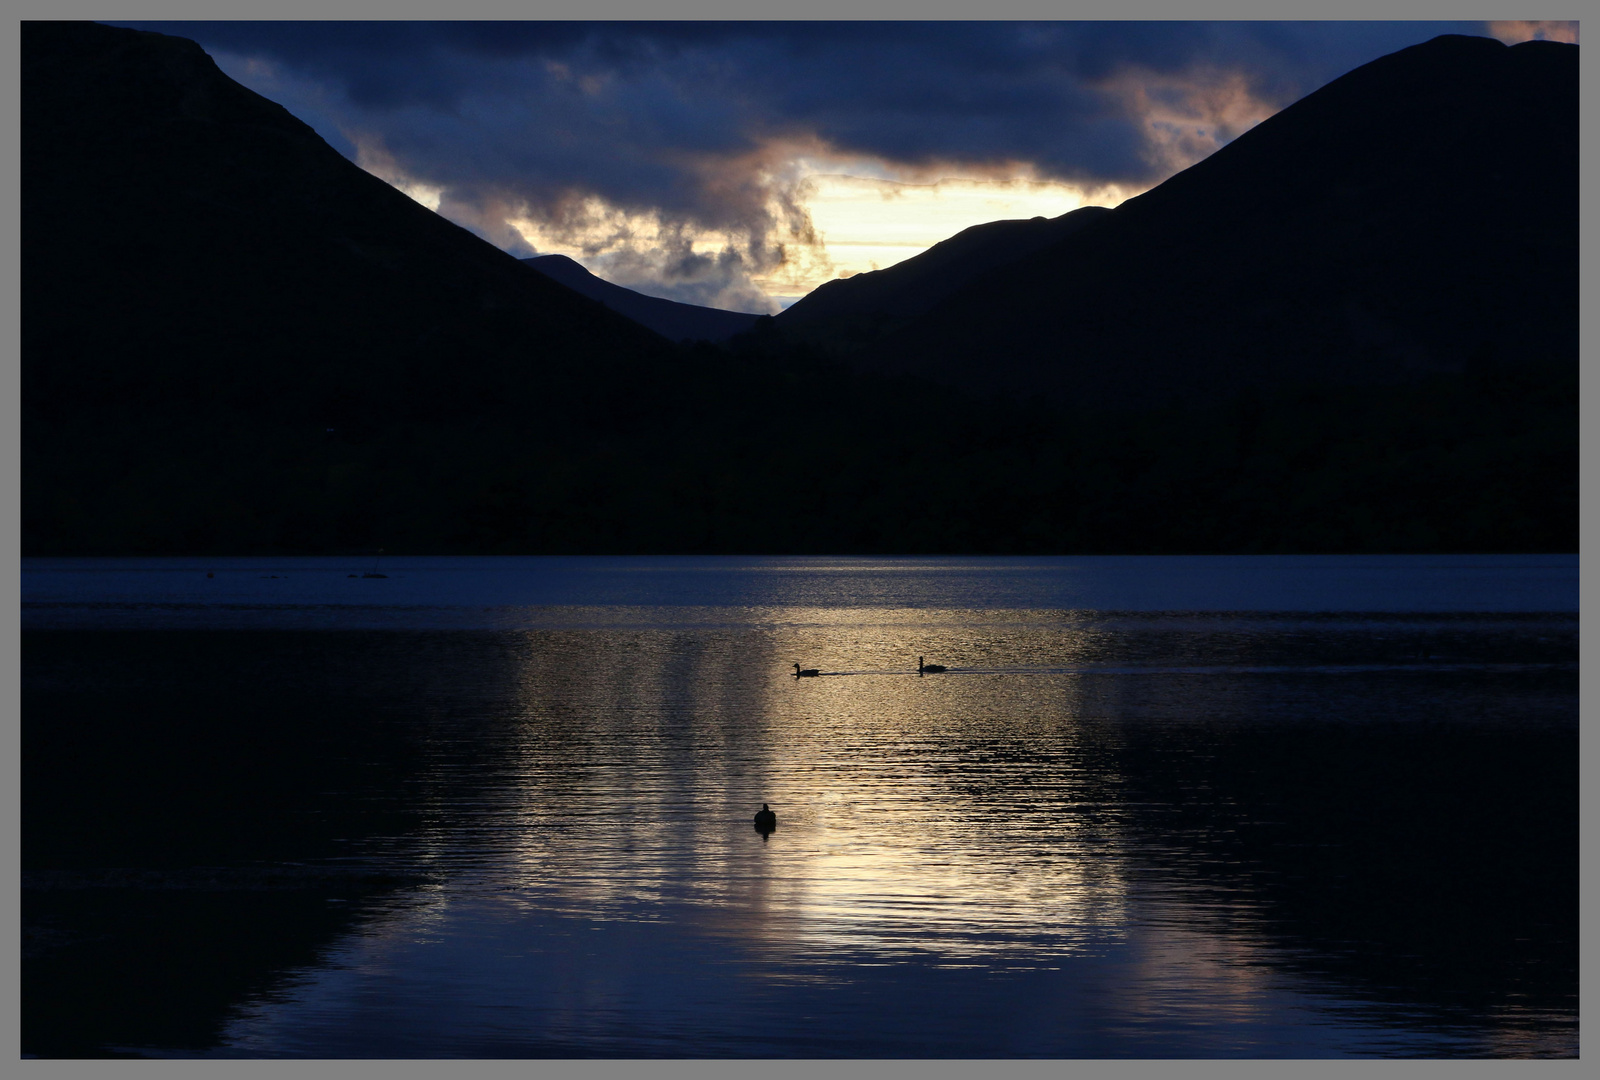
{"x": 1418, "y": 215}
{"x": 218, "y": 241}
{"x": 853, "y": 311}
{"x": 213, "y": 299}
{"x": 669, "y": 318}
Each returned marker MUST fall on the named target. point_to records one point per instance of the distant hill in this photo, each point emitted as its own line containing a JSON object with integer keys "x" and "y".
{"x": 856, "y": 310}
{"x": 1418, "y": 215}
{"x": 669, "y": 318}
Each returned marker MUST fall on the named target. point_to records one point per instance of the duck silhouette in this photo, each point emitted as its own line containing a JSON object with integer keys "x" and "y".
{"x": 808, "y": 673}
{"x": 928, "y": 669}
{"x": 766, "y": 820}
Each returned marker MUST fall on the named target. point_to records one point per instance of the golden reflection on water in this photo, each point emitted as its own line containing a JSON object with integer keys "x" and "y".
{"x": 957, "y": 815}
{"x": 601, "y": 878}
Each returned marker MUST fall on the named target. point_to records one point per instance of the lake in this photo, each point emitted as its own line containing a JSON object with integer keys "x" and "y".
{"x": 1275, "y": 807}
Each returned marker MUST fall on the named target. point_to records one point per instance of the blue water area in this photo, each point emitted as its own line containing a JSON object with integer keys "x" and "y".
{"x": 476, "y": 808}
{"x": 503, "y": 592}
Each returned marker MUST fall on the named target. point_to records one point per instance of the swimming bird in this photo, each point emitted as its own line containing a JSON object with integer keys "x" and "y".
{"x": 766, "y": 820}
{"x": 806, "y": 674}
{"x": 928, "y": 669}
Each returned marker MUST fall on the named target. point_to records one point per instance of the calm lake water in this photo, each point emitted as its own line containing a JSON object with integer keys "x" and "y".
{"x": 502, "y": 808}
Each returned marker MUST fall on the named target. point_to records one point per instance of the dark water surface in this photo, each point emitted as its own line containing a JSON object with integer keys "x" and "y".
{"x": 502, "y": 808}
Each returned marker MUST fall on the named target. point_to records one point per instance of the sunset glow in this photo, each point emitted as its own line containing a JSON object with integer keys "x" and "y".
{"x": 737, "y": 170}
{"x": 867, "y": 223}
{"x": 859, "y": 223}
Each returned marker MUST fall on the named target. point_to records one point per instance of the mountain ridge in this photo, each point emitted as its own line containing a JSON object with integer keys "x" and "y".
{"x": 275, "y": 352}
{"x": 672, "y": 319}
{"x": 234, "y": 241}
{"x": 849, "y": 311}
{"x": 1347, "y": 233}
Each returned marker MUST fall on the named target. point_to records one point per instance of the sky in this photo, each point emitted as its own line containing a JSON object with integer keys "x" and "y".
{"x": 741, "y": 165}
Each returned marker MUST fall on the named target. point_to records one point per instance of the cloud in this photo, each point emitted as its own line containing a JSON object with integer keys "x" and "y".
{"x": 684, "y": 156}
{"x": 1513, "y": 32}
{"x": 653, "y": 252}
{"x": 1184, "y": 117}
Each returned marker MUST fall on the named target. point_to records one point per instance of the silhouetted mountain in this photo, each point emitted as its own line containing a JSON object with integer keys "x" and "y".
{"x": 1419, "y": 214}
{"x": 218, "y": 309}
{"x": 859, "y": 309}
{"x": 669, "y": 318}
{"x": 186, "y": 239}
{"x": 236, "y": 341}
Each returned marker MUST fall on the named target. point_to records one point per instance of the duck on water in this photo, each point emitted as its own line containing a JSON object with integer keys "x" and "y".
{"x": 766, "y": 820}
{"x": 808, "y": 673}
{"x": 928, "y": 669}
